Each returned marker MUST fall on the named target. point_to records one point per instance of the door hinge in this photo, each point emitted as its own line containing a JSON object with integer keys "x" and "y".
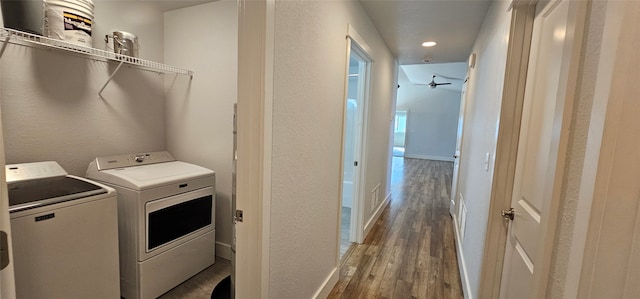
{"x": 238, "y": 216}
{"x": 4, "y": 250}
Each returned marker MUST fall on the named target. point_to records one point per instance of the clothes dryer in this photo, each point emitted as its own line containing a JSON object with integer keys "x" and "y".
{"x": 166, "y": 219}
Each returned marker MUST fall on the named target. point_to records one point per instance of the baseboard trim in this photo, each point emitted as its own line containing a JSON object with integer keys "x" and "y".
{"x": 376, "y": 215}
{"x": 223, "y": 250}
{"x": 462, "y": 266}
{"x": 327, "y": 285}
{"x": 425, "y": 157}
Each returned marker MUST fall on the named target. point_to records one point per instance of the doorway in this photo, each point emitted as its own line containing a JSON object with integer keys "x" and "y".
{"x": 541, "y": 147}
{"x": 399, "y": 133}
{"x": 354, "y": 124}
{"x": 455, "y": 197}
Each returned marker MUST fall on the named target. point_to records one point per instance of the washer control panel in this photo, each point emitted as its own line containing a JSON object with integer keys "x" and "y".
{"x": 33, "y": 171}
{"x": 128, "y": 160}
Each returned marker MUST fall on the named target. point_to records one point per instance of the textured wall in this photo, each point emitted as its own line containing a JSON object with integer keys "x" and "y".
{"x": 200, "y": 111}
{"x": 432, "y": 121}
{"x": 609, "y": 266}
{"x": 576, "y": 154}
{"x": 308, "y": 101}
{"x": 142, "y": 18}
{"x": 480, "y": 133}
{"x": 50, "y": 109}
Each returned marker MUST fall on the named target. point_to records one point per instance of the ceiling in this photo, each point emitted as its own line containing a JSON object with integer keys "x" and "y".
{"x": 168, "y": 5}
{"x": 405, "y": 24}
{"x": 421, "y": 74}
{"x": 164, "y": 5}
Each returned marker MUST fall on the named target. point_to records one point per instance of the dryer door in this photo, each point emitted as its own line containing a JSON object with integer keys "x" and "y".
{"x": 174, "y": 220}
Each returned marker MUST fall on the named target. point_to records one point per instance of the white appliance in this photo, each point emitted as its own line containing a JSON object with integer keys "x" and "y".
{"x": 64, "y": 232}
{"x": 166, "y": 219}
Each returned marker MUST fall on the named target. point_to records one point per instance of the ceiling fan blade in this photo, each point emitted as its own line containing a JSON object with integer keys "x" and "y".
{"x": 447, "y": 77}
{"x": 443, "y": 83}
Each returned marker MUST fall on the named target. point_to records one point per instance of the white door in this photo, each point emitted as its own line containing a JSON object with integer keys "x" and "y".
{"x": 456, "y": 156}
{"x": 545, "y": 117}
{"x": 354, "y": 131}
{"x": 351, "y": 147}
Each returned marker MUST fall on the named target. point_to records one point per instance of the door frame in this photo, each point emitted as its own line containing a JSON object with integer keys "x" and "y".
{"x": 610, "y": 131}
{"x": 453, "y": 200}
{"x": 357, "y": 150}
{"x": 506, "y": 148}
{"x": 520, "y": 37}
{"x": 7, "y": 276}
{"x": 357, "y": 231}
{"x": 356, "y": 43}
{"x": 256, "y": 44}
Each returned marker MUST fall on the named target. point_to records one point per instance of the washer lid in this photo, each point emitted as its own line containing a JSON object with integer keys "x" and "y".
{"x": 29, "y": 194}
{"x": 150, "y": 176}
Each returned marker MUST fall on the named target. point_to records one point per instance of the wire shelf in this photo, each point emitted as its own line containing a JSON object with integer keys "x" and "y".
{"x": 37, "y": 41}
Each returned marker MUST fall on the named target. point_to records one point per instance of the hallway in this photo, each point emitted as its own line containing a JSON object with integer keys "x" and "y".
{"x": 410, "y": 252}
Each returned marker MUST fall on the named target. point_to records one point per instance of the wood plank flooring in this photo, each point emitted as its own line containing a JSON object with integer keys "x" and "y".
{"x": 201, "y": 285}
{"x": 410, "y": 252}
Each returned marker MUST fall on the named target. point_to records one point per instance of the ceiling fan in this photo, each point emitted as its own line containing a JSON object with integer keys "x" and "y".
{"x": 433, "y": 83}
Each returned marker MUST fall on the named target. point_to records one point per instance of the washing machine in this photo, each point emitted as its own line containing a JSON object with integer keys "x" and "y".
{"x": 64, "y": 233}
{"x": 166, "y": 219}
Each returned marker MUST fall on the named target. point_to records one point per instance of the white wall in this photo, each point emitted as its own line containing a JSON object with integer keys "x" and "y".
{"x": 484, "y": 96}
{"x": 204, "y": 38}
{"x": 142, "y": 18}
{"x": 50, "y": 107}
{"x": 308, "y": 101}
{"x": 432, "y": 120}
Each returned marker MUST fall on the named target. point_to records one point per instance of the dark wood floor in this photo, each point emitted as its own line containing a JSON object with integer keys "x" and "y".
{"x": 410, "y": 252}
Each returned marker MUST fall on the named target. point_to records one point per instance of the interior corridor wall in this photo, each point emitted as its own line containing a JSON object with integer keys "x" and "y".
{"x": 308, "y": 108}
{"x": 204, "y": 38}
{"x": 484, "y": 97}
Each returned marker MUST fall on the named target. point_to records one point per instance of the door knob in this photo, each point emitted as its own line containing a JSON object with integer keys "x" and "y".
{"x": 508, "y": 214}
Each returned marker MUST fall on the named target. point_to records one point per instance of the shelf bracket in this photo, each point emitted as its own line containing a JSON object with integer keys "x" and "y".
{"x": 4, "y": 44}
{"x": 109, "y": 80}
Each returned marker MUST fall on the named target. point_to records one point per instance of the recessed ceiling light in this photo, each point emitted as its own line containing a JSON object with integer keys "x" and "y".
{"x": 429, "y": 44}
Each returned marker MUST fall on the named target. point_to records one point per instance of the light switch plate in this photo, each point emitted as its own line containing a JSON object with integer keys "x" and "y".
{"x": 487, "y": 160}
